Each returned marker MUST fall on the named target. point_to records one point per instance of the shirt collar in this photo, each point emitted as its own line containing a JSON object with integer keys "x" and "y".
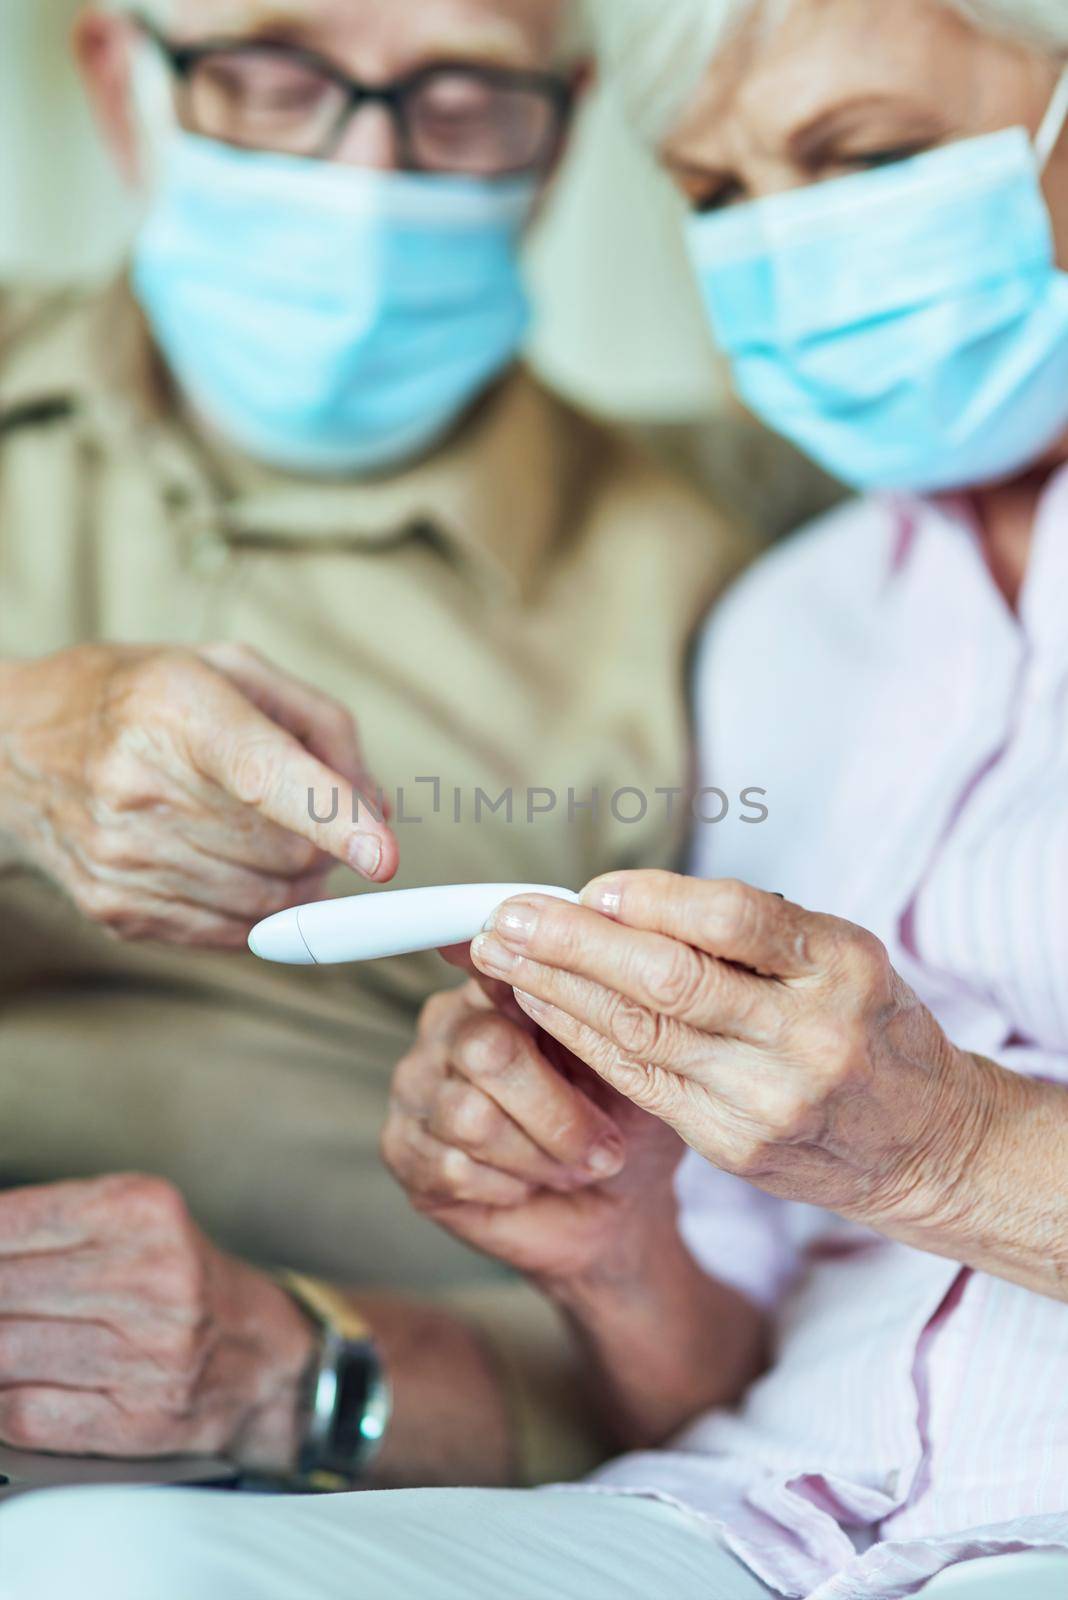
{"x": 494, "y": 495}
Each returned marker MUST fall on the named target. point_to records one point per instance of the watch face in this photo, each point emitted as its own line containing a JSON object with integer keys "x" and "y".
{"x": 355, "y": 1375}
{"x": 349, "y": 1411}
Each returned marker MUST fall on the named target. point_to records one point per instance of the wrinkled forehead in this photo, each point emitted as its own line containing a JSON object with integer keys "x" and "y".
{"x": 525, "y": 31}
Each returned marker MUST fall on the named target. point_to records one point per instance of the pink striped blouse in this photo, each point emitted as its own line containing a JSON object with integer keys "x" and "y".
{"x": 912, "y": 734}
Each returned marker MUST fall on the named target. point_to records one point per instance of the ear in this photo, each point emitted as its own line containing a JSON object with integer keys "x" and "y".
{"x": 103, "y": 45}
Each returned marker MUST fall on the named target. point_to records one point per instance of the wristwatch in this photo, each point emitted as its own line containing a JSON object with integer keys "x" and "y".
{"x": 347, "y": 1403}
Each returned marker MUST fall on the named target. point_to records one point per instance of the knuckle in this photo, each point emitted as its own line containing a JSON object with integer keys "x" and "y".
{"x": 108, "y": 848}
{"x": 398, "y": 1148}
{"x": 163, "y": 678}
{"x": 676, "y": 979}
{"x": 155, "y": 1203}
{"x": 651, "y": 1088}
{"x": 836, "y": 1050}
{"x": 468, "y": 1118}
{"x": 750, "y": 1155}
{"x": 864, "y": 960}
{"x": 106, "y": 771}
{"x": 736, "y": 907}
{"x": 633, "y": 1028}
{"x": 406, "y": 1076}
{"x": 488, "y": 1048}
{"x": 795, "y": 1119}
{"x": 456, "y": 1171}
{"x": 251, "y": 770}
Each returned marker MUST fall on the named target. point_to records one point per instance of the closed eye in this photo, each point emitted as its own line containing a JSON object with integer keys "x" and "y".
{"x": 867, "y": 160}
{"x": 727, "y": 194}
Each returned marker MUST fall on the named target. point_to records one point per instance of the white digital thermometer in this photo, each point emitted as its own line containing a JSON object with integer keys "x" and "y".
{"x": 370, "y": 927}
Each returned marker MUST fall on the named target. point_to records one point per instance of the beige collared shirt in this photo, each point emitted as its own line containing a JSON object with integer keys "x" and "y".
{"x": 507, "y": 618}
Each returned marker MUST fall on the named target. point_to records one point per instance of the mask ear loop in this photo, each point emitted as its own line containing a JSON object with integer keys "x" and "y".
{"x": 1053, "y": 123}
{"x": 152, "y": 96}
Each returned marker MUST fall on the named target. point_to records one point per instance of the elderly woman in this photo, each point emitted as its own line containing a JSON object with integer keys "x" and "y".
{"x": 856, "y": 1012}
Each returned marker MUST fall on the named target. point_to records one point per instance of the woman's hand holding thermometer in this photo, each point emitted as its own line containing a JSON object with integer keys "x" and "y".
{"x": 370, "y": 927}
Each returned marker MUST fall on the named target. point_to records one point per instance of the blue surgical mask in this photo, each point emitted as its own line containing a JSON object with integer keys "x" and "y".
{"x": 326, "y": 318}
{"x": 907, "y": 327}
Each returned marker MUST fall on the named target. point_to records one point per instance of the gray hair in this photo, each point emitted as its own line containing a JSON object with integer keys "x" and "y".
{"x": 575, "y": 41}
{"x": 656, "y": 51}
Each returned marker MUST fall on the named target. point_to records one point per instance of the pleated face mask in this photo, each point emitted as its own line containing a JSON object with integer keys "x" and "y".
{"x": 327, "y": 318}
{"x": 907, "y": 327}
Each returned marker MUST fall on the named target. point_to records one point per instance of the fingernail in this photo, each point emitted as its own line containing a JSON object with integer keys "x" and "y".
{"x": 528, "y": 1002}
{"x": 606, "y": 1159}
{"x": 365, "y": 854}
{"x": 605, "y": 897}
{"x": 489, "y": 955}
{"x": 516, "y": 923}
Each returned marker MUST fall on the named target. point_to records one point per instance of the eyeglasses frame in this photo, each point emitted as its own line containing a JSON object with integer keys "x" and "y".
{"x": 183, "y": 60}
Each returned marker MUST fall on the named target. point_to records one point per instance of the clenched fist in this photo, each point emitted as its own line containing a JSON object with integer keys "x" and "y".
{"x": 167, "y": 790}
{"x": 124, "y": 1332}
{"x": 515, "y": 1148}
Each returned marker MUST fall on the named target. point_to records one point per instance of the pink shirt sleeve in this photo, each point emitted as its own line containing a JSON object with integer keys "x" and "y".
{"x": 741, "y": 1236}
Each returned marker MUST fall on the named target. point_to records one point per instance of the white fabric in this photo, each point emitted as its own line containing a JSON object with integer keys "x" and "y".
{"x": 445, "y": 1544}
{"x": 912, "y": 734}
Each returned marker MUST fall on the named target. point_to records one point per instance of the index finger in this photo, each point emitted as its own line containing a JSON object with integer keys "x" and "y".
{"x": 726, "y": 919}
{"x": 260, "y": 764}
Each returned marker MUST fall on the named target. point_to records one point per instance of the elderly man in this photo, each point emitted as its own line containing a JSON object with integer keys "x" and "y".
{"x": 287, "y": 473}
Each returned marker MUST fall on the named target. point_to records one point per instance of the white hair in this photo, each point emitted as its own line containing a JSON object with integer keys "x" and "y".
{"x": 656, "y": 51}
{"x": 156, "y": 10}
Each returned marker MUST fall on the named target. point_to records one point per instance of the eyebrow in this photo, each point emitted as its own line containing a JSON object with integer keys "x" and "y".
{"x": 492, "y": 47}
{"x": 253, "y": 22}
{"x": 815, "y": 137}
{"x": 287, "y": 27}
{"x": 502, "y": 46}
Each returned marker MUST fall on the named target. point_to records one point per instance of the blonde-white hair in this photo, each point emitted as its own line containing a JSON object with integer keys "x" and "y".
{"x": 655, "y": 52}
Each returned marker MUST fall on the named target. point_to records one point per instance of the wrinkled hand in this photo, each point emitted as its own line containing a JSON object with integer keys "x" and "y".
{"x": 125, "y": 1333}
{"x": 513, "y": 1146}
{"x": 167, "y": 790}
{"x": 780, "y": 1044}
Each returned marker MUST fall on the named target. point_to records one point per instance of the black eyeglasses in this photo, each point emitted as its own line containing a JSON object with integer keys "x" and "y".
{"x": 466, "y": 119}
